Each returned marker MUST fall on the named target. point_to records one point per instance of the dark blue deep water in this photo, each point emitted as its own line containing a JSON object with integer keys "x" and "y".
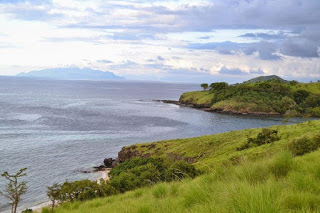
{"x": 56, "y": 128}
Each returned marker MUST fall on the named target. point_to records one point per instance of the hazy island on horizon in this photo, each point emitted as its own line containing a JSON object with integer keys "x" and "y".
{"x": 72, "y": 73}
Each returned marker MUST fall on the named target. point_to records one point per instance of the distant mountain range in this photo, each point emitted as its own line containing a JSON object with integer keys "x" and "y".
{"x": 266, "y": 78}
{"x": 73, "y": 73}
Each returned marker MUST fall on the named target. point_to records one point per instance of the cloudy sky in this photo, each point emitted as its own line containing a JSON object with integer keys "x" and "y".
{"x": 171, "y": 40}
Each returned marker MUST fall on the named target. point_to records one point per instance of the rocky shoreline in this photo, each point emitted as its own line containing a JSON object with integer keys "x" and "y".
{"x": 219, "y": 110}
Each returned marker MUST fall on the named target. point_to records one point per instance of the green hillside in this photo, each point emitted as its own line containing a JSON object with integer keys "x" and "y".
{"x": 254, "y": 170}
{"x": 272, "y": 97}
{"x": 266, "y": 78}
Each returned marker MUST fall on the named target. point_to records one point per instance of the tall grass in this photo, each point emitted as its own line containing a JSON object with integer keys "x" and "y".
{"x": 282, "y": 164}
{"x": 266, "y": 186}
{"x": 272, "y": 182}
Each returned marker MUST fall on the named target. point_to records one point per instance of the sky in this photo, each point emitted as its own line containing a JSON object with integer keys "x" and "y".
{"x": 164, "y": 40}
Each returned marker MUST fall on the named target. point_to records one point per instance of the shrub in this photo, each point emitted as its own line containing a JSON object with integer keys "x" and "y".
{"x": 304, "y": 145}
{"x": 129, "y": 175}
{"x": 218, "y": 86}
{"x": 106, "y": 189}
{"x": 27, "y": 211}
{"x": 314, "y": 111}
{"x": 300, "y": 95}
{"x": 264, "y": 137}
{"x": 312, "y": 101}
{"x": 180, "y": 170}
{"x": 135, "y": 163}
{"x": 125, "y": 181}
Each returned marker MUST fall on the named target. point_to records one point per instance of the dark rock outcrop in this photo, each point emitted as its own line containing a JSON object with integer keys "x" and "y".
{"x": 99, "y": 168}
{"x": 108, "y": 162}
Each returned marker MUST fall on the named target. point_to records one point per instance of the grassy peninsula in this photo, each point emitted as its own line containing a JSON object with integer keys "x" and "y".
{"x": 269, "y": 95}
{"x": 254, "y": 170}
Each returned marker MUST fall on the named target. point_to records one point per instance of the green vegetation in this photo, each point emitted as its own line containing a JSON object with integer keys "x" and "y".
{"x": 267, "y": 78}
{"x": 264, "y": 137}
{"x": 131, "y": 174}
{"x": 269, "y": 177}
{"x": 14, "y": 189}
{"x": 272, "y": 97}
{"x": 204, "y": 86}
{"x": 304, "y": 145}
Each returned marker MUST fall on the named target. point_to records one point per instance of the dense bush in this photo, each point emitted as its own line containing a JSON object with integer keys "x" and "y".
{"x": 135, "y": 165}
{"x": 218, "y": 86}
{"x": 304, "y": 145}
{"x": 27, "y": 211}
{"x": 180, "y": 170}
{"x": 264, "y": 137}
{"x": 269, "y": 96}
{"x": 80, "y": 190}
{"x": 300, "y": 95}
{"x": 129, "y": 175}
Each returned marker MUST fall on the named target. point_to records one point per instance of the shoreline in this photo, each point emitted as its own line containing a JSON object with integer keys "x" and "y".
{"x": 221, "y": 111}
{"x": 102, "y": 175}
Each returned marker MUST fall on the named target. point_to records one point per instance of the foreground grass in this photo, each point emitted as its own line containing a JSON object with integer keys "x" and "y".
{"x": 260, "y": 179}
{"x": 207, "y": 151}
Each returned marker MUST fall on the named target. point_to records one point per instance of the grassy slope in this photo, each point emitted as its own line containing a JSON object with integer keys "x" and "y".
{"x": 200, "y": 98}
{"x": 310, "y": 87}
{"x": 236, "y": 181}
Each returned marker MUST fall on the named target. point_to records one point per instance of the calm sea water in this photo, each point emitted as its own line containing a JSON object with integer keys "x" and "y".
{"x": 56, "y": 128}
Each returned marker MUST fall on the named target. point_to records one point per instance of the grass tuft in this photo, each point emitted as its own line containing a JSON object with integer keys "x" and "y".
{"x": 282, "y": 164}
{"x": 160, "y": 191}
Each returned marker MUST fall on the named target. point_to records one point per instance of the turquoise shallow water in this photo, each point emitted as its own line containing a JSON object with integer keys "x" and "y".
{"x": 56, "y": 128}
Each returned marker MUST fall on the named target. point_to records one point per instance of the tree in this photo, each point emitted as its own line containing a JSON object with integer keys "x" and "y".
{"x": 53, "y": 193}
{"x": 219, "y": 86}
{"x": 14, "y": 189}
{"x": 204, "y": 86}
{"x": 300, "y": 95}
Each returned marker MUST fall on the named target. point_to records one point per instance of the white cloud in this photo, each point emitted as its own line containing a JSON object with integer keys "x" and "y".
{"x": 37, "y": 34}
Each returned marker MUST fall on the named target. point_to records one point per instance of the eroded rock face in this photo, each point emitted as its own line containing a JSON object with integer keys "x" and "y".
{"x": 127, "y": 153}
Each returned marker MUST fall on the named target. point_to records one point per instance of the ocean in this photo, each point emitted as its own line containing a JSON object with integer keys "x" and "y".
{"x": 57, "y": 128}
